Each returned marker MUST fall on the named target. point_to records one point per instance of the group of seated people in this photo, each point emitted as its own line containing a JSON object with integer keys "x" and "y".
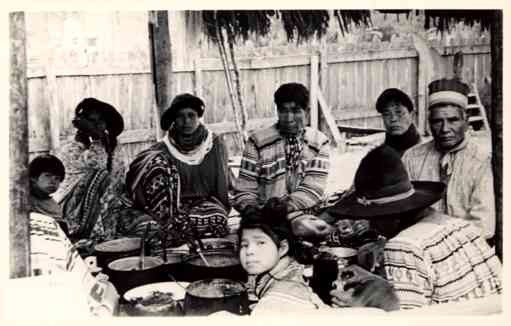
{"x": 432, "y": 202}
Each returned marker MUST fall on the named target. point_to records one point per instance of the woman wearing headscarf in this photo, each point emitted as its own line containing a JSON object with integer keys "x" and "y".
{"x": 182, "y": 181}
{"x": 94, "y": 170}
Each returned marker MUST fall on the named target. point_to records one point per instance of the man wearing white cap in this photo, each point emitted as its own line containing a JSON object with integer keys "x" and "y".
{"x": 455, "y": 159}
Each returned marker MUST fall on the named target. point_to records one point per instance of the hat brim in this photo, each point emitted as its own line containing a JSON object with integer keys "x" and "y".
{"x": 426, "y": 193}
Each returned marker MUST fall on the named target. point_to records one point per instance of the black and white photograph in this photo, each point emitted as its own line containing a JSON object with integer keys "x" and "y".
{"x": 248, "y": 163}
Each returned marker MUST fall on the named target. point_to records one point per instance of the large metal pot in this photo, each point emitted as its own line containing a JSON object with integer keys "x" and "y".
{"x": 211, "y": 295}
{"x": 109, "y": 251}
{"x": 125, "y": 273}
{"x": 221, "y": 265}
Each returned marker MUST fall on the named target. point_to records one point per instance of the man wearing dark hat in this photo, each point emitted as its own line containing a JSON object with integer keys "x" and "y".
{"x": 429, "y": 257}
{"x": 396, "y": 109}
{"x": 455, "y": 159}
{"x": 182, "y": 181}
{"x": 289, "y": 161}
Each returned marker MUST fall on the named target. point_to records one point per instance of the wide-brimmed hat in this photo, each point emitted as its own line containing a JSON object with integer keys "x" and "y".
{"x": 393, "y": 94}
{"x": 181, "y": 101}
{"x": 113, "y": 119}
{"x": 448, "y": 91}
{"x": 383, "y": 188}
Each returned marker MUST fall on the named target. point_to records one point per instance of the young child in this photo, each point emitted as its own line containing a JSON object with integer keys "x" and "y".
{"x": 46, "y": 172}
{"x": 267, "y": 250}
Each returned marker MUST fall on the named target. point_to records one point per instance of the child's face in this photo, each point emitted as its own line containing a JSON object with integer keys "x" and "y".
{"x": 47, "y": 182}
{"x": 258, "y": 252}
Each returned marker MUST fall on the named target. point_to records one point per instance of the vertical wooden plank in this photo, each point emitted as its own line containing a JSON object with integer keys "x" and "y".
{"x": 323, "y": 82}
{"x": 313, "y": 92}
{"x": 53, "y": 105}
{"x": 51, "y": 89}
{"x": 161, "y": 59}
{"x": 19, "y": 225}
{"x": 496, "y": 123}
{"x": 198, "y": 78}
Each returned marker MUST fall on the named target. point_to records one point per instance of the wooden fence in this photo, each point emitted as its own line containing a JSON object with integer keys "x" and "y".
{"x": 350, "y": 83}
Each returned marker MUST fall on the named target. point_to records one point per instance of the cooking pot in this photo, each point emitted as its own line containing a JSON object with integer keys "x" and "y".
{"x": 211, "y": 295}
{"x": 156, "y": 299}
{"x": 109, "y": 251}
{"x": 218, "y": 244}
{"x": 221, "y": 265}
{"x": 326, "y": 266}
{"x": 174, "y": 266}
{"x": 125, "y": 273}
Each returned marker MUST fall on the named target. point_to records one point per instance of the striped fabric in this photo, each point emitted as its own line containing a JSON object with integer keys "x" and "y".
{"x": 52, "y": 254}
{"x": 470, "y": 195}
{"x": 156, "y": 187}
{"x": 440, "y": 260}
{"x": 264, "y": 174}
{"x": 284, "y": 289}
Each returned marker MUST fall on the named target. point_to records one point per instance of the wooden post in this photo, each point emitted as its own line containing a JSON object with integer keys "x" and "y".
{"x": 313, "y": 92}
{"x": 19, "y": 226}
{"x": 428, "y": 60}
{"x": 325, "y": 109}
{"x": 496, "y": 122}
{"x": 323, "y": 83}
{"x": 198, "y": 78}
{"x": 422, "y": 84}
{"x": 161, "y": 60}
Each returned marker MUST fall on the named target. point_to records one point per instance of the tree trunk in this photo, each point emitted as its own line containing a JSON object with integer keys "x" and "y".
{"x": 496, "y": 122}
{"x": 161, "y": 60}
{"x": 19, "y": 225}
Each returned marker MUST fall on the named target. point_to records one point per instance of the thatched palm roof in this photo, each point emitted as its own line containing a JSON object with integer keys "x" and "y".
{"x": 301, "y": 25}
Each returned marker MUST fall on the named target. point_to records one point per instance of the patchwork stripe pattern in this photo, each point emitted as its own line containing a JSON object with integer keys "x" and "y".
{"x": 264, "y": 170}
{"x": 439, "y": 260}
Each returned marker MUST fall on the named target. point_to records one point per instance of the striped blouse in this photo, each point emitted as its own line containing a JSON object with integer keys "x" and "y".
{"x": 283, "y": 290}
{"x": 441, "y": 259}
{"x": 263, "y": 172}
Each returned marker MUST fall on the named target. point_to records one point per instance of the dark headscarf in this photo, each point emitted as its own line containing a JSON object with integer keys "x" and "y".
{"x": 181, "y": 101}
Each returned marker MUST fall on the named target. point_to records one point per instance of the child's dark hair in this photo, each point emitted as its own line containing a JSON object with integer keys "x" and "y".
{"x": 46, "y": 163}
{"x": 272, "y": 220}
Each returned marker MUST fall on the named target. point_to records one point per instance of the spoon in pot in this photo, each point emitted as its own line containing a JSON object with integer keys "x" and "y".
{"x": 142, "y": 247}
{"x": 175, "y": 281}
{"x": 201, "y": 255}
